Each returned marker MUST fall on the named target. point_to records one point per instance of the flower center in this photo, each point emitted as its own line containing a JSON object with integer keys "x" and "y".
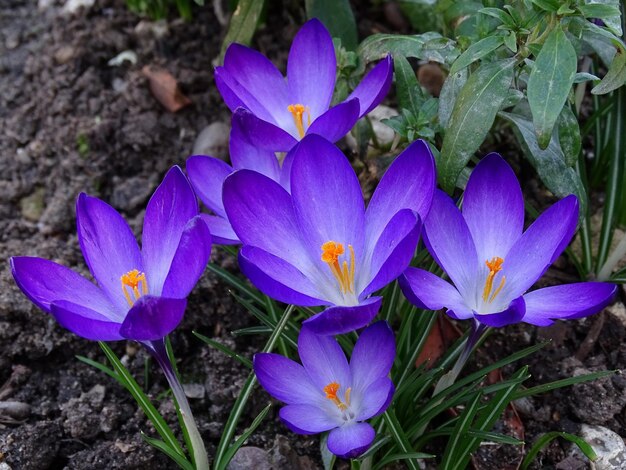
{"x": 331, "y": 393}
{"x": 344, "y": 273}
{"x": 130, "y": 285}
{"x": 298, "y": 111}
{"x": 495, "y": 266}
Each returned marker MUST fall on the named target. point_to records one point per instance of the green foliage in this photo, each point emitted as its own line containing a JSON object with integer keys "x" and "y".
{"x": 160, "y": 9}
{"x": 243, "y": 23}
{"x": 338, "y": 18}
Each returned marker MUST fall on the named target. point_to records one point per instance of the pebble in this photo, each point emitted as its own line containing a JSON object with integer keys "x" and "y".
{"x": 72, "y": 6}
{"x": 194, "y": 390}
{"x": 64, "y": 54}
{"x": 608, "y": 445}
{"x": 250, "y": 457}
{"x": 384, "y": 134}
{"x": 32, "y": 206}
{"x": 14, "y": 409}
{"x": 213, "y": 141}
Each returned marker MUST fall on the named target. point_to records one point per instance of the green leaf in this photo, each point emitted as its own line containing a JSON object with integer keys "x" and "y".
{"x": 338, "y": 18}
{"x": 476, "y": 51}
{"x": 615, "y": 77}
{"x": 226, "y": 350}
{"x": 550, "y": 83}
{"x": 399, "y": 436}
{"x": 550, "y": 162}
{"x": 597, "y": 10}
{"x": 429, "y": 46}
{"x": 459, "y": 435}
{"x": 328, "y": 458}
{"x": 543, "y": 388}
{"x": 544, "y": 440}
{"x": 548, "y": 5}
{"x": 449, "y": 93}
{"x": 397, "y": 457}
{"x": 501, "y": 15}
{"x": 569, "y": 136}
{"x": 243, "y": 23}
{"x": 232, "y": 450}
{"x": 473, "y": 114}
{"x": 167, "y": 450}
{"x": 614, "y": 22}
{"x": 408, "y": 89}
{"x": 510, "y": 40}
{"x": 585, "y": 77}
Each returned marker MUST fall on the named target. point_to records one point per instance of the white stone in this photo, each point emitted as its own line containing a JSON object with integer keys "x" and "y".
{"x": 129, "y": 56}
{"x": 213, "y": 141}
{"x": 384, "y": 134}
{"x": 72, "y": 6}
{"x": 608, "y": 446}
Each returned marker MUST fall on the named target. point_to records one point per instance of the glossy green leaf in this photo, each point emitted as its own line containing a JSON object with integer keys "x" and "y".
{"x": 449, "y": 93}
{"x": 550, "y": 82}
{"x": 243, "y": 23}
{"x": 400, "y": 437}
{"x": 569, "y": 136}
{"x": 499, "y": 14}
{"x": 550, "y": 162}
{"x": 408, "y": 89}
{"x": 548, "y": 5}
{"x": 163, "y": 447}
{"x": 429, "y": 46}
{"x": 544, "y": 440}
{"x": 338, "y": 18}
{"x": 612, "y": 22}
{"x": 598, "y": 10}
{"x": 476, "y": 51}
{"x": 615, "y": 77}
{"x": 472, "y": 117}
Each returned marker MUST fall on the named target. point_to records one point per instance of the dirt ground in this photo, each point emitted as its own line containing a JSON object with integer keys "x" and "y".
{"x": 69, "y": 122}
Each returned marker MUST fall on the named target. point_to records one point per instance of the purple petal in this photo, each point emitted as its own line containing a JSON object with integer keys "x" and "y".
{"x": 108, "y": 245}
{"x": 45, "y": 282}
{"x": 538, "y": 247}
{"x": 245, "y": 155}
{"x": 170, "y": 208}
{"x": 324, "y": 360}
{"x": 308, "y": 419}
{"x": 375, "y": 399}
{"x": 327, "y": 199}
{"x": 190, "y": 260}
{"x": 222, "y": 232}
{"x": 493, "y": 207}
{"x": 513, "y": 314}
{"x": 427, "y": 291}
{"x": 449, "y": 241}
{"x": 152, "y": 318}
{"x": 567, "y": 302}
{"x": 286, "y": 380}
{"x": 374, "y": 86}
{"x": 311, "y": 68}
{"x": 237, "y": 96}
{"x": 264, "y": 134}
{"x": 255, "y": 73}
{"x": 339, "y": 319}
{"x": 285, "y": 171}
{"x": 372, "y": 356}
{"x": 85, "y": 322}
{"x": 336, "y": 122}
{"x": 207, "y": 175}
{"x": 394, "y": 250}
{"x": 277, "y": 278}
{"x": 409, "y": 183}
{"x": 351, "y": 440}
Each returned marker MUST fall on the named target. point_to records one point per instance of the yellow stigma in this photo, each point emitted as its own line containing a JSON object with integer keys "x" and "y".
{"x": 130, "y": 284}
{"x": 495, "y": 266}
{"x": 344, "y": 273}
{"x": 331, "y": 393}
{"x": 297, "y": 111}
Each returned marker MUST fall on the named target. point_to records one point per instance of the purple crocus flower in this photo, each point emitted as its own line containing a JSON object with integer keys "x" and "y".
{"x": 207, "y": 175}
{"x": 318, "y": 245}
{"x": 280, "y": 112}
{"x": 492, "y": 262}
{"x": 326, "y": 393}
{"x": 141, "y": 294}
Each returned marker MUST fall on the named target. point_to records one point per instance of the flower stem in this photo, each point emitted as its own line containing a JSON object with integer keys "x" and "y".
{"x": 198, "y": 452}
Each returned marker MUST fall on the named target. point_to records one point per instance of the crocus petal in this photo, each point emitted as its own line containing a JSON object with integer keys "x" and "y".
{"x": 45, "y": 282}
{"x": 513, "y": 314}
{"x": 108, "y": 245}
{"x": 567, "y": 302}
{"x": 538, "y": 247}
{"x": 374, "y": 86}
{"x": 311, "y": 68}
{"x": 277, "y": 278}
{"x": 152, "y": 318}
{"x": 351, "y": 440}
{"x": 286, "y": 380}
{"x": 449, "y": 241}
{"x": 237, "y": 96}
{"x": 308, "y": 419}
{"x": 260, "y": 78}
{"x": 245, "y": 155}
{"x": 337, "y": 121}
{"x": 409, "y": 183}
{"x": 190, "y": 260}
{"x": 375, "y": 399}
{"x": 327, "y": 199}
{"x": 85, "y": 322}
{"x": 324, "y": 360}
{"x": 222, "y": 232}
{"x": 207, "y": 175}
{"x": 372, "y": 356}
{"x": 493, "y": 207}
{"x": 427, "y": 291}
{"x": 394, "y": 250}
{"x": 285, "y": 172}
{"x": 264, "y": 134}
{"x": 338, "y": 319}
{"x": 171, "y": 206}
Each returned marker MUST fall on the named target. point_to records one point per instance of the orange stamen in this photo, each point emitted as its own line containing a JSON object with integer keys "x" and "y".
{"x": 344, "y": 273}
{"x": 331, "y": 393}
{"x": 131, "y": 282}
{"x": 495, "y": 266}
{"x": 297, "y": 111}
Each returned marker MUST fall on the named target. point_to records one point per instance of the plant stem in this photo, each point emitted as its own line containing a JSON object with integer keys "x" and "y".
{"x": 198, "y": 452}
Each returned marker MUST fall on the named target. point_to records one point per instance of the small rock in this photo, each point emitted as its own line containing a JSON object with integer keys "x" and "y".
{"x": 125, "y": 56}
{"x": 124, "y": 447}
{"x": 384, "y": 134}
{"x": 5, "y": 466}
{"x": 213, "y": 141}
{"x": 194, "y": 390}
{"x": 14, "y": 409}
{"x": 608, "y": 445}
{"x": 32, "y": 205}
{"x": 158, "y": 29}
{"x": 618, "y": 310}
{"x": 249, "y": 457}
{"x": 72, "y": 6}
{"x": 119, "y": 85}
{"x": 64, "y": 54}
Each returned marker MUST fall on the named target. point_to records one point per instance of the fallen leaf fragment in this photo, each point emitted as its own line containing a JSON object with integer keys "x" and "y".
{"x": 165, "y": 89}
